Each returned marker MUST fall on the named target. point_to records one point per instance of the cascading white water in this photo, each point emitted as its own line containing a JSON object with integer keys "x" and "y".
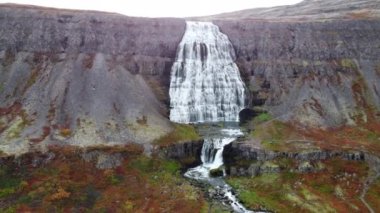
{"x": 212, "y": 158}
{"x": 205, "y": 86}
{"x": 205, "y": 82}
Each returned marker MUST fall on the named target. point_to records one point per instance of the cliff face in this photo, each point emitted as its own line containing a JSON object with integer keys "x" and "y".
{"x": 322, "y": 74}
{"x": 88, "y": 78}
{"x": 83, "y": 78}
{"x": 315, "y": 63}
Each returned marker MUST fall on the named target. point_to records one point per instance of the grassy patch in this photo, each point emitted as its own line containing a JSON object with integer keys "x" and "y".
{"x": 273, "y": 135}
{"x": 181, "y": 133}
{"x": 348, "y": 63}
{"x": 261, "y": 118}
{"x": 15, "y": 129}
{"x": 306, "y": 192}
{"x": 213, "y": 208}
{"x": 9, "y": 183}
{"x": 373, "y": 195}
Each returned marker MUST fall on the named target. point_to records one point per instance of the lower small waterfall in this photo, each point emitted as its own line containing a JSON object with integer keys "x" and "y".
{"x": 205, "y": 87}
{"x": 212, "y": 158}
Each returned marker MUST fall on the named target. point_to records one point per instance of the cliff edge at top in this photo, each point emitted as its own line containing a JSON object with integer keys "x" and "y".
{"x": 309, "y": 10}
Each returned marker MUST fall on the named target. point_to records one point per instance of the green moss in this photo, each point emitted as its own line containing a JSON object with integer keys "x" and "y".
{"x": 263, "y": 117}
{"x": 170, "y": 166}
{"x": 348, "y": 63}
{"x": 6, "y": 192}
{"x": 271, "y": 145}
{"x": 272, "y": 135}
{"x": 324, "y": 188}
{"x": 372, "y": 136}
{"x": 213, "y": 208}
{"x": 216, "y": 172}
{"x": 25, "y": 199}
{"x": 181, "y": 133}
{"x": 289, "y": 176}
{"x": 250, "y": 198}
{"x": 9, "y": 184}
{"x": 308, "y": 195}
{"x": 1, "y": 87}
{"x": 143, "y": 164}
{"x": 8, "y": 210}
{"x": 15, "y": 129}
{"x": 114, "y": 179}
{"x": 251, "y": 191}
{"x": 186, "y": 132}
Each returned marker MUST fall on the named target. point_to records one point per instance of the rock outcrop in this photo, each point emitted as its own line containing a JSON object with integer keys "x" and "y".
{"x": 187, "y": 153}
{"x": 242, "y": 159}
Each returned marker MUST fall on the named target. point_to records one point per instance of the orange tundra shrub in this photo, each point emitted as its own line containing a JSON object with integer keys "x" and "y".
{"x": 59, "y": 195}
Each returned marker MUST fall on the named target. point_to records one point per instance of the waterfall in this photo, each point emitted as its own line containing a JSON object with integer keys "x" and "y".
{"x": 205, "y": 86}
{"x": 205, "y": 82}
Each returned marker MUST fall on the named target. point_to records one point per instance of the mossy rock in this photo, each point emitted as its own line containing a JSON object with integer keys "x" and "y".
{"x": 270, "y": 167}
{"x": 217, "y": 172}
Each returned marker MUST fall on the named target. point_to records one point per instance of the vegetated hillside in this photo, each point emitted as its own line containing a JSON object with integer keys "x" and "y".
{"x": 89, "y": 78}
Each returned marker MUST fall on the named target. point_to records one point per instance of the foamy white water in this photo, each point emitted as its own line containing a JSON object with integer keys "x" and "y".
{"x": 205, "y": 86}
{"x": 212, "y": 158}
{"x": 205, "y": 82}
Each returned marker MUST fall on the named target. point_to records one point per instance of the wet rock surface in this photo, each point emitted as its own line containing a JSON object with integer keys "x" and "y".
{"x": 188, "y": 153}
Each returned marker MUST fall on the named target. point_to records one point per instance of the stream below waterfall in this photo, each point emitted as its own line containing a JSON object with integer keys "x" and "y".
{"x": 215, "y": 138}
{"x": 205, "y": 88}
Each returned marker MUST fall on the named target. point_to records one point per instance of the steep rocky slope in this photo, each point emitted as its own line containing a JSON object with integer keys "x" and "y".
{"x": 315, "y": 63}
{"x": 83, "y": 78}
{"x": 88, "y": 78}
{"x": 322, "y": 74}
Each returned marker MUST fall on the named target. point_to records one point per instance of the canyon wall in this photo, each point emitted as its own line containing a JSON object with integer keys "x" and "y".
{"x": 88, "y": 78}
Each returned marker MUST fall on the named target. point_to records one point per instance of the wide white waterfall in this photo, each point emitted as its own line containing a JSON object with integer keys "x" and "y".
{"x": 205, "y": 82}
{"x": 205, "y": 86}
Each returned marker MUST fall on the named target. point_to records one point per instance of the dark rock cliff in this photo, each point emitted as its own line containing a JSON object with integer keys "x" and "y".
{"x": 87, "y": 78}
{"x": 243, "y": 159}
